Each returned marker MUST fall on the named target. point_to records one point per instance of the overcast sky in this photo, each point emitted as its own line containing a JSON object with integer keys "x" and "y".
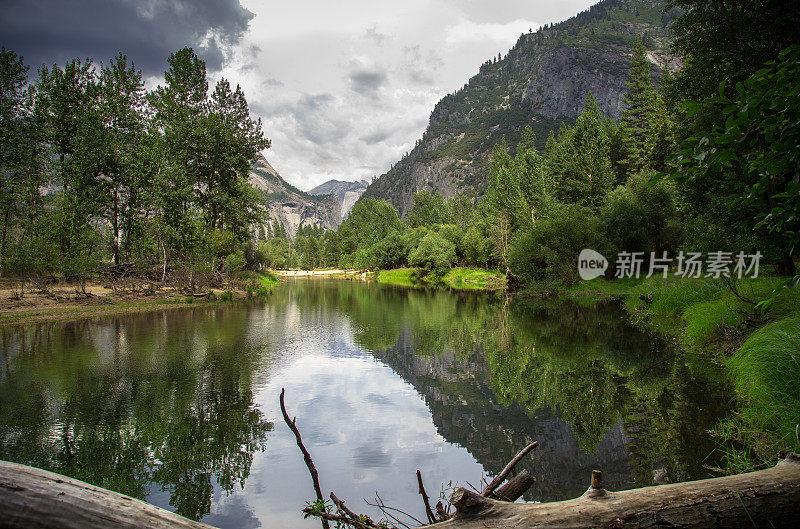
{"x": 344, "y": 88}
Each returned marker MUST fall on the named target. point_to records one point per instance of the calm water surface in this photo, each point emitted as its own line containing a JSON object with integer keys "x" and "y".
{"x": 181, "y": 408}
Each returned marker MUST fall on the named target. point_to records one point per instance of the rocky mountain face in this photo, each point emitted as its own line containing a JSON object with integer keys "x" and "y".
{"x": 542, "y": 81}
{"x": 347, "y": 193}
{"x": 290, "y": 206}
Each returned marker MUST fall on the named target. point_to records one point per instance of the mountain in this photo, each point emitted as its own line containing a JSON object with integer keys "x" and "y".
{"x": 290, "y": 206}
{"x": 542, "y": 81}
{"x": 347, "y": 193}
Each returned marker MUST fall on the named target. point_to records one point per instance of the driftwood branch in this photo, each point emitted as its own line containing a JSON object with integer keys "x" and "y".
{"x": 386, "y": 508}
{"x": 359, "y": 522}
{"x": 515, "y": 487}
{"x": 425, "y": 500}
{"x": 492, "y": 486}
{"x": 306, "y": 456}
{"x": 31, "y": 498}
{"x": 766, "y": 498}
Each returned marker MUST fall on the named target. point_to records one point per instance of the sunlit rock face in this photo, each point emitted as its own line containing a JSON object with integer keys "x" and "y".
{"x": 290, "y": 206}
{"x": 542, "y": 81}
{"x": 347, "y": 193}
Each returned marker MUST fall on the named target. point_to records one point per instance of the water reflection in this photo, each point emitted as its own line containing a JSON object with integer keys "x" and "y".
{"x": 131, "y": 402}
{"x": 175, "y": 407}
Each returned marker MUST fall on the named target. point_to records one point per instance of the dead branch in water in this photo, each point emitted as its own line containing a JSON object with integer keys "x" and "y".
{"x": 428, "y": 510}
{"x": 306, "y": 456}
{"x": 498, "y": 480}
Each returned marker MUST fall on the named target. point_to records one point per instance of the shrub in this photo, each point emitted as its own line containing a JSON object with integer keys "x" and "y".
{"x": 641, "y": 217}
{"x": 435, "y": 254}
{"x": 549, "y": 249}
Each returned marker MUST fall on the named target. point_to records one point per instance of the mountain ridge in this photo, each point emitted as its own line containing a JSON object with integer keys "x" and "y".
{"x": 542, "y": 81}
{"x": 289, "y": 205}
{"x": 347, "y": 193}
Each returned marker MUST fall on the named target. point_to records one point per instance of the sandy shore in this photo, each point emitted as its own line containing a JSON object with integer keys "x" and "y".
{"x": 306, "y": 273}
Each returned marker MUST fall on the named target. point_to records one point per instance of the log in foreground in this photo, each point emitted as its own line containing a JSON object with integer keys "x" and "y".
{"x": 31, "y": 498}
{"x": 767, "y": 498}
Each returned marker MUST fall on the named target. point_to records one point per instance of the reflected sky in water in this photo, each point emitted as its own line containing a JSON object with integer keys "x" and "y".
{"x": 181, "y": 407}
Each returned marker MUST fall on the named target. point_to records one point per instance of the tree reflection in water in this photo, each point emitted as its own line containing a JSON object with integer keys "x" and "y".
{"x": 129, "y": 402}
{"x": 161, "y": 406}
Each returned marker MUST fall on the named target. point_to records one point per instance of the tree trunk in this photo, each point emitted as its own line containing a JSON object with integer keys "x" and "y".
{"x": 31, "y": 498}
{"x": 767, "y": 498}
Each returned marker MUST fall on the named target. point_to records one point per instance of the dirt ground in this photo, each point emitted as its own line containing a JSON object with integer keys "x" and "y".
{"x": 68, "y": 302}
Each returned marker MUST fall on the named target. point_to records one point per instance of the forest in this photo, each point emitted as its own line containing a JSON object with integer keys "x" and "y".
{"x": 97, "y": 172}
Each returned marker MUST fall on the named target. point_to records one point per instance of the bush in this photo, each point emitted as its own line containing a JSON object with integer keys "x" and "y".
{"x": 474, "y": 247}
{"x": 641, "y": 217}
{"x": 549, "y": 249}
{"x": 435, "y": 254}
{"x": 390, "y": 252}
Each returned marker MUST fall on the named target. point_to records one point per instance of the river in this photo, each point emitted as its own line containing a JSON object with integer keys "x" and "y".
{"x": 180, "y": 407}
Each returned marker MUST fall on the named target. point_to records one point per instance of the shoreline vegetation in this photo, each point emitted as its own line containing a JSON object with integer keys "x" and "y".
{"x": 24, "y": 304}
{"x": 751, "y": 327}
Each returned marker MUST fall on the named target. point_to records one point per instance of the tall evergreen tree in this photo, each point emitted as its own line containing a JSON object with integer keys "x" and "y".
{"x": 637, "y": 132}
{"x": 122, "y": 106}
{"x": 20, "y": 157}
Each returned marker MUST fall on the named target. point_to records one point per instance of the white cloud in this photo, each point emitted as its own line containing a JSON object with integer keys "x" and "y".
{"x": 468, "y": 31}
{"x": 346, "y": 88}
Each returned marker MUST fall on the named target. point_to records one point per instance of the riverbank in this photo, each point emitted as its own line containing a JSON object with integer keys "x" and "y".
{"x": 751, "y": 327}
{"x": 66, "y": 302}
{"x": 332, "y": 272}
{"x": 461, "y": 278}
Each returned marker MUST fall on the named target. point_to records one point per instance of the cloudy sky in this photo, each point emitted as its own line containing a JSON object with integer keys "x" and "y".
{"x": 344, "y": 88}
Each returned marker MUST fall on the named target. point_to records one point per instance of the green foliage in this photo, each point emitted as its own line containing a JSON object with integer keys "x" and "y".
{"x": 703, "y": 38}
{"x": 435, "y": 254}
{"x": 638, "y": 129}
{"x": 579, "y": 159}
{"x": 427, "y": 209}
{"x": 549, "y": 249}
{"x": 751, "y": 162}
{"x": 129, "y": 174}
{"x": 369, "y": 221}
{"x": 641, "y": 217}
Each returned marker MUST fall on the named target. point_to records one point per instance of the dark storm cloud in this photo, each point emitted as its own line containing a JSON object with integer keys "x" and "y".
{"x": 48, "y": 31}
{"x": 366, "y": 81}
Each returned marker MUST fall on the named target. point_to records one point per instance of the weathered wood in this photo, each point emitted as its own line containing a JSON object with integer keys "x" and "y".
{"x": 425, "y": 500}
{"x": 767, "y": 498}
{"x": 498, "y": 479}
{"x": 291, "y": 423}
{"x": 514, "y": 488}
{"x": 31, "y": 498}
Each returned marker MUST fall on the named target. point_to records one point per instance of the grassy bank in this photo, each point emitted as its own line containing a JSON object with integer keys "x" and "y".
{"x": 39, "y": 308}
{"x": 752, "y": 327}
{"x": 461, "y": 278}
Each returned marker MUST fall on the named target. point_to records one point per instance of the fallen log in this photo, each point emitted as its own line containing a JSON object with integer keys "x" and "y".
{"x": 766, "y": 498}
{"x": 31, "y": 498}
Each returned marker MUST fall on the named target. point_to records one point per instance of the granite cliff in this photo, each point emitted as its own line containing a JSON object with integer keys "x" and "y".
{"x": 347, "y": 193}
{"x": 542, "y": 81}
{"x": 290, "y": 206}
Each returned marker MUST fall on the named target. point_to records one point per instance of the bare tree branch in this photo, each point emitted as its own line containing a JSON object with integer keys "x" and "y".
{"x": 306, "y": 456}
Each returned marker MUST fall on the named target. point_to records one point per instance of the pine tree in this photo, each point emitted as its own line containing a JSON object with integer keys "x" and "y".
{"x": 636, "y": 126}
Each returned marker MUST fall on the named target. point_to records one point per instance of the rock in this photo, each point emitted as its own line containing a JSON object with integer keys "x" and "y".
{"x": 543, "y": 81}
{"x": 290, "y": 206}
